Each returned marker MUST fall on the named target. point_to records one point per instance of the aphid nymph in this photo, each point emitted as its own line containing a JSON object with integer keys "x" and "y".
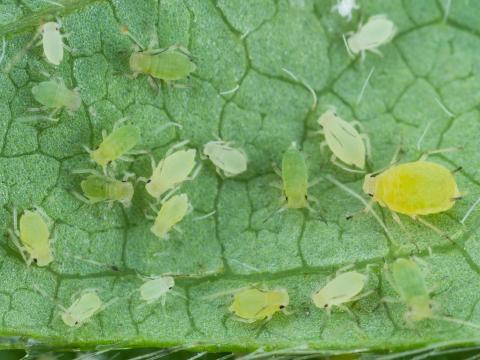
{"x": 345, "y": 142}
{"x": 52, "y": 42}
{"x": 171, "y": 64}
{"x": 83, "y": 309}
{"x": 378, "y": 31}
{"x": 345, "y": 8}
{"x": 172, "y": 211}
{"x": 32, "y": 237}
{"x": 53, "y": 94}
{"x": 228, "y": 160}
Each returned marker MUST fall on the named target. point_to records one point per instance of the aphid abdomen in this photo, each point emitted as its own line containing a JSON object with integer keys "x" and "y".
{"x": 416, "y": 188}
{"x": 172, "y": 212}
{"x": 33, "y": 229}
{"x": 52, "y": 43}
{"x": 50, "y": 94}
{"x": 250, "y": 304}
{"x": 119, "y": 142}
{"x": 295, "y": 178}
{"x": 409, "y": 279}
{"x": 171, "y": 65}
{"x": 345, "y": 143}
{"x": 94, "y": 188}
{"x": 120, "y": 191}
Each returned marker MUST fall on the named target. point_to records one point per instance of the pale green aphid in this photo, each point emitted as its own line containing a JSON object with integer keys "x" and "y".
{"x": 170, "y": 64}
{"x": 82, "y": 309}
{"x": 171, "y": 213}
{"x": 53, "y": 94}
{"x": 156, "y": 288}
{"x": 116, "y": 145}
{"x": 228, "y": 160}
{"x": 408, "y": 280}
{"x": 52, "y": 42}
{"x": 345, "y": 142}
{"x": 172, "y": 170}
{"x": 97, "y": 188}
{"x": 32, "y": 238}
{"x": 378, "y": 30}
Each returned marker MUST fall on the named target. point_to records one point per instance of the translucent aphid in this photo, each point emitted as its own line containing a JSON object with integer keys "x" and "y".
{"x": 116, "y": 145}
{"x": 253, "y": 304}
{"x": 52, "y": 42}
{"x": 228, "y": 160}
{"x": 407, "y": 279}
{"x": 172, "y": 170}
{"x": 173, "y": 210}
{"x": 170, "y": 64}
{"x": 414, "y": 189}
{"x": 156, "y": 288}
{"x": 97, "y": 188}
{"x": 345, "y": 8}
{"x": 32, "y": 237}
{"x": 345, "y": 142}
{"x": 53, "y": 94}
{"x": 378, "y": 31}
{"x": 82, "y": 309}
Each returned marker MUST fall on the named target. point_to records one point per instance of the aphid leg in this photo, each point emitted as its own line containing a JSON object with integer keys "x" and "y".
{"x": 334, "y": 161}
{"x": 153, "y": 83}
{"x": 368, "y": 146}
{"x": 20, "y": 248}
{"x": 206, "y": 216}
{"x": 323, "y": 145}
{"x": 397, "y": 219}
{"x": 195, "y": 173}
{"x": 426, "y": 154}
{"x": 375, "y": 51}
{"x": 349, "y": 52}
{"x": 39, "y": 210}
{"x": 276, "y": 169}
{"x": 389, "y": 278}
{"x": 432, "y": 227}
{"x": 176, "y": 146}
{"x": 355, "y": 318}
{"x": 276, "y": 185}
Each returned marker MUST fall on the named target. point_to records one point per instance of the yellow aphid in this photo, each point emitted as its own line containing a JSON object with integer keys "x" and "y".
{"x": 345, "y": 142}
{"x": 253, "y": 304}
{"x": 171, "y": 213}
{"x": 344, "y": 288}
{"x": 171, "y": 171}
{"x": 415, "y": 188}
{"x": 32, "y": 238}
{"x": 82, "y": 309}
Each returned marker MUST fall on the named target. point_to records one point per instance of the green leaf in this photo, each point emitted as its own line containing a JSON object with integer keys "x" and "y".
{"x": 427, "y": 82}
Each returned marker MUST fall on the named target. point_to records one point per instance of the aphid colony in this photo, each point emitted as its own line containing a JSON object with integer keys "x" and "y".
{"x": 415, "y": 189}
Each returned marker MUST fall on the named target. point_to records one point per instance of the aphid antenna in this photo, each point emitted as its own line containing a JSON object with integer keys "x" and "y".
{"x": 247, "y": 266}
{"x": 306, "y": 85}
{"x": 455, "y": 321}
{"x": 368, "y": 206}
{"x": 347, "y": 47}
{"x": 277, "y": 211}
{"x": 93, "y": 262}
{"x": 364, "y": 86}
{"x": 48, "y": 297}
{"x": 54, "y": 3}
{"x": 18, "y": 56}
{"x": 4, "y": 46}
{"x": 422, "y": 136}
{"x": 426, "y": 154}
{"x": 167, "y": 125}
{"x": 206, "y": 216}
{"x": 444, "y": 108}
{"x": 469, "y": 211}
{"x": 125, "y": 31}
{"x": 231, "y": 91}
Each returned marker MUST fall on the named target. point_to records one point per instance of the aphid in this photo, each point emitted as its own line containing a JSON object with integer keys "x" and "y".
{"x": 32, "y": 238}
{"x": 116, "y": 145}
{"x": 230, "y": 161}
{"x": 407, "y": 279}
{"x": 52, "y": 42}
{"x": 82, "y": 309}
{"x": 344, "y": 288}
{"x": 97, "y": 188}
{"x": 345, "y": 8}
{"x": 156, "y": 288}
{"x": 345, "y": 142}
{"x": 294, "y": 174}
{"x": 53, "y": 94}
{"x": 170, "y": 64}
{"x": 172, "y": 170}
{"x": 171, "y": 213}
{"x": 415, "y": 188}
{"x": 378, "y": 30}
{"x": 252, "y": 304}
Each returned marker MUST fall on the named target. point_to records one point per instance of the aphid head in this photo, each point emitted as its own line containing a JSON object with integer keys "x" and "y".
{"x": 69, "y": 320}
{"x": 369, "y": 184}
{"x": 42, "y": 257}
{"x": 328, "y": 117}
{"x": 321, "y": 300}
{"x": 418, "y": 309}
{"x": 281, "y": 298}
{"x": 138, "y": 62}
{"x": 99, "y": 157}
{"x": 49, "y": 27}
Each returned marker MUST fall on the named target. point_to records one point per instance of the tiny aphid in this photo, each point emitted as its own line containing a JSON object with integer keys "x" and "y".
{"x": 82, "y": 309}
{"x": 53, "y": 94}
{"x": 345, "y": 8}
{"x": 414, "y": 189}
{"x": 345, "y": 142}
{"x": 378, "y": 31}
{"x": 172, "y": 170}
{"x": 407, "y": 279}
{"x": 171, "y": 213}
{"x": 228, "y": 160}
{"x": 32, "y": 238}
{"x": 170, "y": 64}
{"x": 52, "y": 42}
{"x": 156, "y": 288}
{"x": 253, "y": 304}
{"x": 97, "y": 188}
{"x": 116, "y": 145}
{"x": 344, "y": 288}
